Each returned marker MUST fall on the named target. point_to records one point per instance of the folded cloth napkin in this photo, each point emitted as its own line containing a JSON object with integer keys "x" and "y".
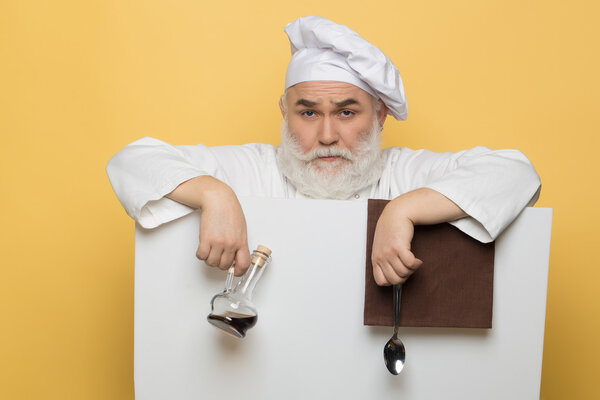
{"x": 453, "y": 287}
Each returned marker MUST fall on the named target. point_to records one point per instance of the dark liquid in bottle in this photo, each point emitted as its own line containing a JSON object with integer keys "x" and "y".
{"x": 233, "y": 324}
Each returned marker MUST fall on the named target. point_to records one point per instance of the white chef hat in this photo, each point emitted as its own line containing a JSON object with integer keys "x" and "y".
{"x": 325, "y": 51}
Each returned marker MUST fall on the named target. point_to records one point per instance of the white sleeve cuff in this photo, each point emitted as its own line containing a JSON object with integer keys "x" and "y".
{"x": 158, "y": 209}
{"x": 158, "y": 212}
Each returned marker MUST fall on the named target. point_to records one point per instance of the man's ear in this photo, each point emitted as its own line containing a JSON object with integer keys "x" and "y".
{"x": 282, "y": 107}
{"x": 382, "y": 113}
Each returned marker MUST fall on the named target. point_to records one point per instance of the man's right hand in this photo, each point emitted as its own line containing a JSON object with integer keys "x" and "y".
{"x": 223, "y": 235}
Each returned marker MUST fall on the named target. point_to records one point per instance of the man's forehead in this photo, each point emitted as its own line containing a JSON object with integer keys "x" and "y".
{"x": 327, "y": 92}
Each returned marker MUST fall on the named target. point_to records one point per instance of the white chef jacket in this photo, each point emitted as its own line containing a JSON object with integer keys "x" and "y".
{"x": 492, "y": 187}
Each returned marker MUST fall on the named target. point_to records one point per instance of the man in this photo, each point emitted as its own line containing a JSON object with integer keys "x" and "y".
{"x": 339, "y": 89}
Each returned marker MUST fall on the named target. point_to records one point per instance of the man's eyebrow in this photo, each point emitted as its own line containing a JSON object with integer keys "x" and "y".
{"x": 306, "y": 103}
{"x": 339, "y": 104}
{"x": 346, "y": 102}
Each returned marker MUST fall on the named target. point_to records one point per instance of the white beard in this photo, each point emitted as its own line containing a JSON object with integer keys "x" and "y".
{"x": 339, "y": 179}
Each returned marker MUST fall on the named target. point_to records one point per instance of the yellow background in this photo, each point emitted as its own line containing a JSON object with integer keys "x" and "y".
{"x": 80, "y": 79}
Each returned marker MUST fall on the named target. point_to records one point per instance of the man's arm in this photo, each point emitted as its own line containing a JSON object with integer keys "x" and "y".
{"x": 157, "y": 182}
{"x": 480, "y": 191}
{"x": 223, "y": 236}
{"x": 145, "y": 171}
{"x": 392, "y": 258}
{"x": 491, "y": 186}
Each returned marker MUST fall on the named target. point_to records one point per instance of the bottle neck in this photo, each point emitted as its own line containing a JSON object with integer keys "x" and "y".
{"x": 246, "y": 286}
{"x": 259, "y": 260}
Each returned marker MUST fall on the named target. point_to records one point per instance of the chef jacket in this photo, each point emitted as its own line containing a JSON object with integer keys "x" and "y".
{"x": 491, "y": 186}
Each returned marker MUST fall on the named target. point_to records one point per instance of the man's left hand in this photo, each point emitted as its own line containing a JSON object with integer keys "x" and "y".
{"x": 393, "y": 261}
{"x": 392, "y": 258}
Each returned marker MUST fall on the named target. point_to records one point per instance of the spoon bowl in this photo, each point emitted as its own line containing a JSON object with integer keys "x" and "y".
{"x": 394, "y": 353}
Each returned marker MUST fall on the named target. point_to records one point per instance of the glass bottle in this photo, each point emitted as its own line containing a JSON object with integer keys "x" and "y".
{"x": 232, "y": 310}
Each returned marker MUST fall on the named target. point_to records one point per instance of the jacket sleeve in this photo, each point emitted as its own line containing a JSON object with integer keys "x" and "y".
{"x": 143, "y": 172}
{"x": 491, "y": 186}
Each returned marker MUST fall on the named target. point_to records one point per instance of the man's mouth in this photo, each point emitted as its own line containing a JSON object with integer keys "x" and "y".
{"x": 329, "y": 158}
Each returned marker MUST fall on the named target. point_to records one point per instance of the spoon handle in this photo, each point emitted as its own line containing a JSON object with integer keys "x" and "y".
{"x": 397, "y": 297}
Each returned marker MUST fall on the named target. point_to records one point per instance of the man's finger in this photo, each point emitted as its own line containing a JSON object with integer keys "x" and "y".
{"x": 409, "y": 260}
{"x": 400, "y": 269}
{"x": 391, "y": 276}
{"x": 214, "y": 257}
{"x": 242, "y": 260}
{"x": 226, "y": 259}
{"x": 379, "y": 276}
{"x": 203, "y": 250}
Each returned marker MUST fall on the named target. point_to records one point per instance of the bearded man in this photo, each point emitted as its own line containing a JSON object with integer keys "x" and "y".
{"x": 339, "y": 90}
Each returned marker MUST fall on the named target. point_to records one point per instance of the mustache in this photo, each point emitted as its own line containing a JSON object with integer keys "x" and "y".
{"x": 329, "y": 152}
{"x": 321, "y": 151}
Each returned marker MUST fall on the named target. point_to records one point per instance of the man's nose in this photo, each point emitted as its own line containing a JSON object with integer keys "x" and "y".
{"x": 328, "y": 134}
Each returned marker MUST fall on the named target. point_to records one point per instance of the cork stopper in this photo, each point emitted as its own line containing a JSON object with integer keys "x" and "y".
{"x": 264, "y": 249}
{"x": 261, "y": 255}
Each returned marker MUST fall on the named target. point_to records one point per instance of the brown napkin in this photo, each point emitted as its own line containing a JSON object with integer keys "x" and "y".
{"x": 453, "y": 287}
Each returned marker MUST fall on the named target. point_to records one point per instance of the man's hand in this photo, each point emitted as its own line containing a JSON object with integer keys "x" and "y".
{"x": 393, "y": 262}
{"x": 392, "y": 258}
{"x": 223, "y": 236}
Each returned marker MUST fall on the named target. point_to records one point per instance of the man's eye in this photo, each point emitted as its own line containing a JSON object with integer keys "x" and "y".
{"x": 308, "y": 113}
{"x": 347, "y": 113}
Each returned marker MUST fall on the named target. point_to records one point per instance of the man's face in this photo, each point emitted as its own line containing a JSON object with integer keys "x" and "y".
{"x": 331, "y": 145}
{"x": 326, "y": 114}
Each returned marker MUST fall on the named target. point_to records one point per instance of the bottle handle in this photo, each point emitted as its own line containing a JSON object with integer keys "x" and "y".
{"x": 229, "y": 280}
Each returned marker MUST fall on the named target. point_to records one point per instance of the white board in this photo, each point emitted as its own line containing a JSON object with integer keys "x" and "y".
{"x": 309, "y": 342}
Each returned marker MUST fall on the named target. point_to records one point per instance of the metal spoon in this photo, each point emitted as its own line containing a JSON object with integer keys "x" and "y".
{"x": 393, "y": 352}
